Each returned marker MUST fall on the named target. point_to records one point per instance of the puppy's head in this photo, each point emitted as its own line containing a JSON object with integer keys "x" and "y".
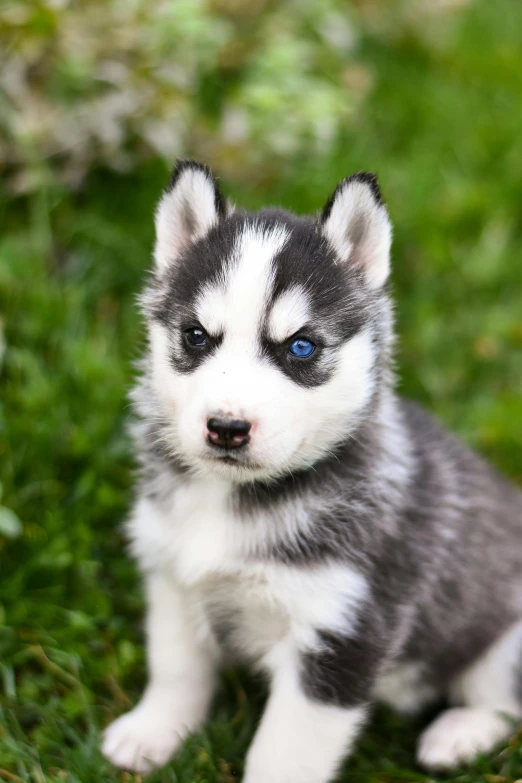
{"x": 268, "y": 331}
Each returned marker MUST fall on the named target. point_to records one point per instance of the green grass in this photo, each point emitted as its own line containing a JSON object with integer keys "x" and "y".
{"x": 442, "y": 128}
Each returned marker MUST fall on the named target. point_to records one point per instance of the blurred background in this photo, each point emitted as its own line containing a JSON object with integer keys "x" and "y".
{"x": 282, "y": 99}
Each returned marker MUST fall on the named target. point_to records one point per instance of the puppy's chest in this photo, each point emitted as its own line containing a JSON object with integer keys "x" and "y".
{"x": 247, "y": 611}
{"x": 253, "y": 607}
{"x": 252, "y": 602}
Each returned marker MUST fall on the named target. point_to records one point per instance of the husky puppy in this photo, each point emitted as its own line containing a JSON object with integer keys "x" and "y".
{"x": 293, "y": 512}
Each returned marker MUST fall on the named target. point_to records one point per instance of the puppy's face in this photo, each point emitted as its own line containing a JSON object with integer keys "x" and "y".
{"x": 264, "y": 329}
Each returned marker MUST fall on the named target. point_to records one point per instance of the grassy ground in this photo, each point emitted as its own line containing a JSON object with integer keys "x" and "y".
{"x": 443, "y": 130}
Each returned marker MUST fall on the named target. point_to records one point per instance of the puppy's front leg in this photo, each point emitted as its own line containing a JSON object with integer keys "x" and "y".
{"x": 181, "y": 682}
{"x": 301, "y": 739}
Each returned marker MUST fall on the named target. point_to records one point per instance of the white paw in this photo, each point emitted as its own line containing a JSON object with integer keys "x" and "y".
{"x": 459, "y": 735}
{"x": 142, "y": 739}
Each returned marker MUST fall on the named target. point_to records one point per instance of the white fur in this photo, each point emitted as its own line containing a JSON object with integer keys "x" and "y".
{"x": 211, "y": 308}
{"x": 210, "y": 552}
{"x": 250, "y": 280}
{"x": 491, "y": 681}
{"x": 209, "y": 572}
{"x": 290, "y": 313}
{"x": 237, "y": 303}
{"x": 181, "y": 661}
{"x": 459, "y": 735}
{"x": 488, "y": 690}
{"x": 174, "y": 231}
{"x": 298, "y": 740}
{"x": 291, "y": 425}
{"x": 277, "y": 610}
{"x": 360, "y": 232}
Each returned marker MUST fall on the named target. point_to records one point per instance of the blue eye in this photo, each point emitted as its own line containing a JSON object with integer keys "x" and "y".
{"x": 196, "y": 337}
{"x": 302, "y": 348}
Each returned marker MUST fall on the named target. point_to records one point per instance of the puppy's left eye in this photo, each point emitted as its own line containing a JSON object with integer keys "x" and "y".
{"x": 195, "y": 337}
{"x": 302, "y": 348}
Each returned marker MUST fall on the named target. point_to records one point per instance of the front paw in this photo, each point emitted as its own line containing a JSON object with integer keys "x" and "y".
{"x": 142, "y": 739}
{"x": 459, "y": 735}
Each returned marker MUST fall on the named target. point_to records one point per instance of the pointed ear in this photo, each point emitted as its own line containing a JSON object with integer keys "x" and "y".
{"x": 356, "y": 224}
{"x": 191, "y": 204}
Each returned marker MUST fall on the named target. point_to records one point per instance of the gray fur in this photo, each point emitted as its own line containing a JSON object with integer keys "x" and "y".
{"x": 434, "y": 530}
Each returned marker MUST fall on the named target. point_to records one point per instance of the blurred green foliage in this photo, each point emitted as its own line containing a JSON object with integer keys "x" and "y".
{"x": 116, "y": 82}
{"x": 283, "y": 99}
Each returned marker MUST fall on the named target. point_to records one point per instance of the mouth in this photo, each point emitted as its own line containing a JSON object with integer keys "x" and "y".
{"x": 226, "y": 460}
{"x": 236, "y": 460}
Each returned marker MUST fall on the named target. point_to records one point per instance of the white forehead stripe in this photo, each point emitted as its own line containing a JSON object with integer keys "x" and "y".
{"x": 235, "y": 305}
{"x": 290, "y": 312}
{"x": 211, "y": 308}
{"x": 251, "y": 275}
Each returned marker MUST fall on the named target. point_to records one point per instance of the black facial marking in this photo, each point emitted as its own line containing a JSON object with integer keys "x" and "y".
{"x": 309, "y": 372}
{"x": 201, "y": 264}
{"x": 340, "y": 303}
{"x": 185, "y": 357}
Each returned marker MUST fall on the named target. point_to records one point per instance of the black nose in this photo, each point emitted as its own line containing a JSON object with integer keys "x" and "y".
{"x": 228, "y": 433}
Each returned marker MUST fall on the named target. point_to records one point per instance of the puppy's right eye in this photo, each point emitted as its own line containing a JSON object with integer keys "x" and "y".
{"x": 195, "y": 337}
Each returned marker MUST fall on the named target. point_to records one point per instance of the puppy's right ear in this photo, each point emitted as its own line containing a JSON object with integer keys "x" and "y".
{"x": 191, "y": 204}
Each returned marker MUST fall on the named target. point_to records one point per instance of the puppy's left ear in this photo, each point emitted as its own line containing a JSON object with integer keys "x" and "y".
{"x": 190, "y": 206}
{"x": 356, "y": 224}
